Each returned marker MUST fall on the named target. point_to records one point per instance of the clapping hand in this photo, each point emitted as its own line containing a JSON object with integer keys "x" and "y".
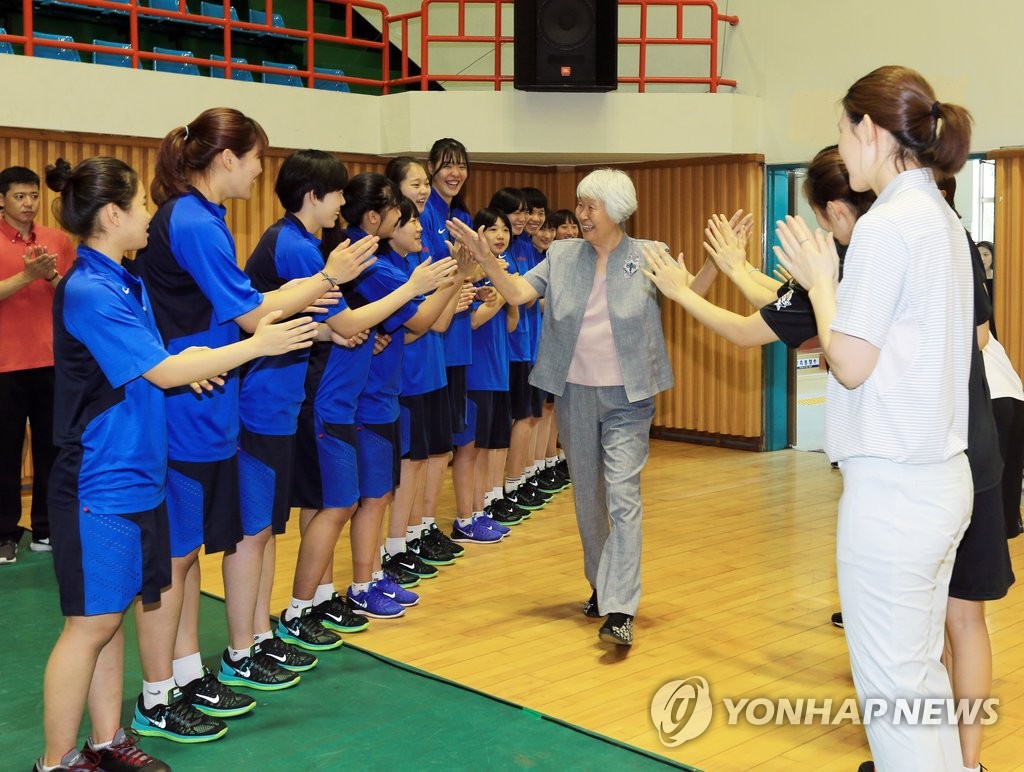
{"x": 670, "y": 276}
{"x": 811, "y": 258}
{"x": 348, "y": 260}
{"x": 39, "y": 263}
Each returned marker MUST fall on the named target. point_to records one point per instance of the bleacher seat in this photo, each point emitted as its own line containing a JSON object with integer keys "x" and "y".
{"x": 329, "y": 85}
{"x": 216, "y": 11}
{"x": 113, "y": 60}
{"x": 281, "y": 80}
{"x": 218, "y": 72}
{"x": 165, "y": 5}
{"x": 49, "y": 52}
{"x": 260, "y": 17}
{"x": 5, "y": 47}
{"x": 182, "y": 67}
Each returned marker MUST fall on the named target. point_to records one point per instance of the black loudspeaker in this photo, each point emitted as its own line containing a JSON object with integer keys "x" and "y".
{"x": 566, "y": 45}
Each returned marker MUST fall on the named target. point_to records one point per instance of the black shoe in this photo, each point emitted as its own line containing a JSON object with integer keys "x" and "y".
{"x": 410, "y": 562}
{"x": 437, "y": 536}
{"x": 430, "y": 553}
{"x": 562, "y": 470}
{"x": 509, "y": 508}
{"x": 308, "y": 632}
{"x": 525, "y": 498}
{"x": 337, "y": 614}
{"x": 548, "y": 481}
{"x": 398, "y": 575}
{"x": 124, "y": 755}
{"x": 837, "y": 619}
{"x": 617, "y": 629}
{"x": 256, "y": 671}
{"x": 213, "y": 698}
{"x": 178, "y": 721}
{"x": 503, "y": 516}
{"x": 533, "y": 486}
{"x": 287, "y": 656}
{"x": 867, "y": 766}
{"x": 590, "y": 608}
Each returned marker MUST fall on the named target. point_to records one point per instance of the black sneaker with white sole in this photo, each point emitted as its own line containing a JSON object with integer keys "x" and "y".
{"x": 213, "y": 698}
{"x": 401, "y": 577}
{"x": 435, "y": 535}
{"x": 430, "y": 553}
{"x": 410, "y": 563}
{"x": 337, "y": 614}
{"x": 617, "y": 629}
{"x": 287, "y": 656}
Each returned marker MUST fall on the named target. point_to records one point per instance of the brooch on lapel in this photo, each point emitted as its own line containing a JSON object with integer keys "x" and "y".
{"x": 632, "y": 265}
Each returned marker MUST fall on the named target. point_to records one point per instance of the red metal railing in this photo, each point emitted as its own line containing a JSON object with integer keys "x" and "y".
{"x": 494, "y": 40}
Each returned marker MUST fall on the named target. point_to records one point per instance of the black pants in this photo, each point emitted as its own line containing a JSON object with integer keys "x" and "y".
{"x": 25, "y": 395}
{"x": 1009, "y": 414}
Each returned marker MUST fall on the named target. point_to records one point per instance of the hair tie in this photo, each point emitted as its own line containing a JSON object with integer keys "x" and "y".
{"x": 935, "y": 110}
{"x": 186, "y": 125}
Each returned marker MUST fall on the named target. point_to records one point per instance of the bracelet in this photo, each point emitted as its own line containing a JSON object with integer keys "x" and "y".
{"x": 56, "y": 273}
{"x": 754, "y": 270}
{"x": 329, "y": 280}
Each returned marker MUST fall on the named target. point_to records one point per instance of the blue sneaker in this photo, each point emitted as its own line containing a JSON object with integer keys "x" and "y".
{"x": 493, "y": 524}
{"x": 393, "y": 590}
{"x": 477, "y": 532}
{"x": 374, "y": 603}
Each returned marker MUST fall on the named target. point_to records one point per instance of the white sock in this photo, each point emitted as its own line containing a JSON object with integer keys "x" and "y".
{"x": 540, "y": 463}
{"x": 511, "y": 483}
{"x": 187, "y": 669}
{"x": 358, "y": 587}
{"x": 100, "y": 746}
{"x": 497, "y": 492}
{"x": 412, "y": 532}
{"x": 376, "y": 576}
{"x": 324, "y": 593}
{"x": 297, "y": 607}
{"x": 464, "y": 522}
{"x": 157, "y": 693}
{"x": 973, "y": 769}
{"x": 531, "y": 470}
{"x": 261, "y": 637}
{"x": 428, "y": 521}
{"x": 394, "y": 546}
{"x": 237, "y": 655}
{"x": 551, "y": 460}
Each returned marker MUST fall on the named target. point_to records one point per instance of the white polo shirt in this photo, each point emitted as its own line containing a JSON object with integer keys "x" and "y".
{"x": 907, "y": 290}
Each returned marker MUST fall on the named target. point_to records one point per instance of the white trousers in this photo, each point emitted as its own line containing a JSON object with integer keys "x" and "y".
{"x": 899, "y": 527}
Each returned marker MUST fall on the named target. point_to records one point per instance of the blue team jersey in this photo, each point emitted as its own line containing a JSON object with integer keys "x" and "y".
{"x": 198, "y": 290}
{"x": 489, "y": 369}
{"x": 423, "y": 361}
{"x": 520, "y": 260}
{"x": 273, "y": 388}
{"x": 108, "y": 421}
{"x": 458, "y": 347}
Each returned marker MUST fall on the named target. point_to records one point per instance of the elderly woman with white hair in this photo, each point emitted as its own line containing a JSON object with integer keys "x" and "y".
{"x": 602, "y": 354}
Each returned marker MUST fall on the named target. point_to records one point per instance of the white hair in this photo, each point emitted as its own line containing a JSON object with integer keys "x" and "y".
{"x": 613, "y": 188}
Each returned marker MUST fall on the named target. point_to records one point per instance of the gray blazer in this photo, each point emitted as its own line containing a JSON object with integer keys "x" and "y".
{"x": 564, "y": 279}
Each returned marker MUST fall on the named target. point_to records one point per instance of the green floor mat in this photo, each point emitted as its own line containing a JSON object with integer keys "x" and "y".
{"x": 356, "y": 710}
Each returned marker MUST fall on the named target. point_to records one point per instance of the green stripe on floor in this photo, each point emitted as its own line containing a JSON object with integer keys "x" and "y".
{"x": 356, "y": 710}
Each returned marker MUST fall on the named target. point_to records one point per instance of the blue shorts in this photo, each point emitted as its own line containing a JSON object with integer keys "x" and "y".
{"x": 103, "y": 562}
{"x": 426, "y": 424}
{"x": 265, "y": 463}
{"x": 203, "y": 506}
{"x": 338, "y": 463}
{"x": 379, "y": 459}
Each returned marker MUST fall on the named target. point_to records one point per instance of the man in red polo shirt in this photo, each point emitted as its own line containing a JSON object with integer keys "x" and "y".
{"x": 33, "y": 258}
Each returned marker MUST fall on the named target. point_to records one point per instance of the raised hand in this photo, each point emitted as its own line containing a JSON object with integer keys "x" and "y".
{"x": 724, "y": 246}
{"x": 466, "y": 263}
{"x": 811, "y": 258}
{"x": 466, "y": 295}
{"x": 39, "y": 263}
{"x": 670, "y": 276}
{"x": 473, "y": 240}
{"x": 429, "y": 275}
{"x": 274, "y": 338}
{"x": 348, "y": 260}
{"x": 742, "y": 225}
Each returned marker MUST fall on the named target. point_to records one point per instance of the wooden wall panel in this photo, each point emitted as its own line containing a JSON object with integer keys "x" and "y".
{"x": 1009, "y": 242}
{"x": 719, "y": 387}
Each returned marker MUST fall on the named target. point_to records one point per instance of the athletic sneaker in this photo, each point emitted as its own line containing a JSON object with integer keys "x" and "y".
{"x": 391, "y": 589}
{"x": 124, "y": 755}
{"x": 402, "y": 577}
{"x": 526, "y": 498}
{"x": 256, "y": 671}
{"x": 617, "y": 629}
{"x": 337, "y": 614}
{"x": 374, "y": 603}
{"x": 560, "y": 475}
{"x": 410, "y": 562}
{"x": 430, "y": 553}
{"x": 510, "y": 508}
{"x": 8, "y": 551}
{"x": 531, "y": 484}
{"x": 74, "y": 759}
{"x": 41, "y": 545}
{"x": 307, "y": 631}
{"x": 548, "y": 481}
{"x": 562, "y": 469}
{"x": 178, "y": 721}
{"x": 837, "y": 619}
{"x": 501, "y": 518}
{"x": 477, "y": 532}
{"x": 213, "y": 698}
{"x": 436, "y": 535}
{"x": 287, "y": 656}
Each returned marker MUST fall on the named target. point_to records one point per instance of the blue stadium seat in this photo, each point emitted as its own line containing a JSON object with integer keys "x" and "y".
{"x": 165, "y": 5}
{"x": 114, "y": 60}
{"x": 216, "y": 11}
{"x": 329, "y": 85}
{"x": 281, "y": 80}
{"x": 182, "y": 67}
{"x": 5, "y": 47}
{"x": 260, "y": 17}
{"x": 218, "y": 72}
{"x": 48, "y": 52}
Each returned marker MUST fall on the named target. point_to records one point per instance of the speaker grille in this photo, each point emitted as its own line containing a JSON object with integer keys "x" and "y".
{"x": 566, "y": 24}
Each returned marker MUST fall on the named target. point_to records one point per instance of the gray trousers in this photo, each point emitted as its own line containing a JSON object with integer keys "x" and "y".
{"x": 606, "y": 439}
